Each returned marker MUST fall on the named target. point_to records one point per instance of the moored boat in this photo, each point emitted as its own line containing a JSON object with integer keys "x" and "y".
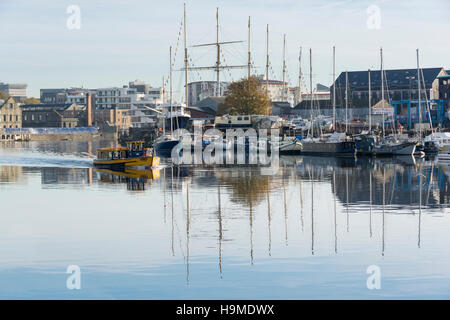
{"x": 133, "y": 155}
{"x": 444, "y": 154}
{"x": 336, "y": 145}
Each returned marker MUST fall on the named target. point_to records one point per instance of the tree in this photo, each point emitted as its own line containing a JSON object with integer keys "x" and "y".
{"x": 31, "y": 101}
{"x": 246, "y": 96}
{"x": 3, "y": 95}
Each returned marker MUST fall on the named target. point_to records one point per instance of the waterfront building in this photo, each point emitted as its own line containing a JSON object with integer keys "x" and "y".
{"x": 400, "y": 84}
{"x": 114, "y": 97}
{"x": 16, "y": 90}
{"x": 65, "y": 95}
{"x": 112, "y": 117}
{"x": 53, "y": 115}
{"x": 10, "y": 114}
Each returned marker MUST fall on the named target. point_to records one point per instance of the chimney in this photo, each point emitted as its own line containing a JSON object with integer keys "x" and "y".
{"x": 89, "y": 109}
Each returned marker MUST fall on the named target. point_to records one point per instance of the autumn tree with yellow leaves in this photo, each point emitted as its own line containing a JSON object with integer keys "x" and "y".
{"x": 245, "y": 97}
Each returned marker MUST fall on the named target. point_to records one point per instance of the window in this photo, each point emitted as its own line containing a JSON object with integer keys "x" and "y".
{"x": 17, "y": 118}
{"x": 245, "y": 118}
{"x": 239, "y": 118}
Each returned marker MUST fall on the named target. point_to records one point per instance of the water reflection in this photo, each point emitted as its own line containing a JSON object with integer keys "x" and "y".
{"x": 136, "y": 180}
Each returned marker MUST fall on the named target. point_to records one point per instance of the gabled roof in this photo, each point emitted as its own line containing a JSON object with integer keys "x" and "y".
{"x": 7, "y": 101}
{"x": 397, "y": 77}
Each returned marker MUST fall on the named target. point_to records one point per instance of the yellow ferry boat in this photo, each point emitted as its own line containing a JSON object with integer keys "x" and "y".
{"x": 133, "y": 155}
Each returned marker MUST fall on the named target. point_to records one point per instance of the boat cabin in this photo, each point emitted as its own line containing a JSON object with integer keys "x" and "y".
{"x": 134, "y": 149}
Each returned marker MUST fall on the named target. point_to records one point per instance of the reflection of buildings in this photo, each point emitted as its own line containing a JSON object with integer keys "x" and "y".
{"x": 136, "y": 180}
{"x": 10, "y": 173}
{"x": 75, "y": 176}
{"x": 401, "y": 182}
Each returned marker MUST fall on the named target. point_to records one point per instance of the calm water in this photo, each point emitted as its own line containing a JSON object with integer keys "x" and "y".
{"x": 309, "y": 231}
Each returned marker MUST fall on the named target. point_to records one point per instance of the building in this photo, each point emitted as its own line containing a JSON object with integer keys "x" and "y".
{"x": 140, "y": 86}
{"x": 114, "y": 97}
{"x": 53, "y": 115}
{"x": 400, "y": 84}
{"x": 143, "y": 117}
{"x": 113, "y": 117}
{"x": 65, "y": 95}
{"x": 10, "y": 114}
{"x": 201, "y": 90}
{"x": 16, "y": 90}
{"x": 320, "y": 93}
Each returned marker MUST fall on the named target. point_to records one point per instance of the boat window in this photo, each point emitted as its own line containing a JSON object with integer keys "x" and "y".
{"x": 245, "y": 118}
{"x": 239, "y": 118}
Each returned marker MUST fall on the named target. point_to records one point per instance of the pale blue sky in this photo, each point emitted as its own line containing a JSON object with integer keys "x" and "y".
{"x": 121, "y": 40}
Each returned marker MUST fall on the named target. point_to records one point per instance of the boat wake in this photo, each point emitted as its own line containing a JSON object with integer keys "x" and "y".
{"x": 45, "y": 160}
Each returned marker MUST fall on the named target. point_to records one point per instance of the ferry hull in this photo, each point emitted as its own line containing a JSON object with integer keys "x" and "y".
{"x": 128, "y": 162}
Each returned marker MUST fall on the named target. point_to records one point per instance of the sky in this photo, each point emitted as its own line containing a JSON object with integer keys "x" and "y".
{"x": 122, "y": 40}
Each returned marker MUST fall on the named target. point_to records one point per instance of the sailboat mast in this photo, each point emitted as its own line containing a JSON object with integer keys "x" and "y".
{"x": 218, "y": 53}
{"x": 163, "y": 101}
{"x": 299, "y": 90}
{"x": 311, "y": 90}
{"x": 170, "y": 93}
{"x": 284, "y": 69}
{"x": 267, "y": 64}
{"x": 418, "y": 90}
{"x": 382, "y": 88}
{"x": 346, "y": 101}
{"x": 334, "y": 88}
{"x": 185, "y": 61}
{"x": 249, "y": 52}
{"x": 370, "y": 103}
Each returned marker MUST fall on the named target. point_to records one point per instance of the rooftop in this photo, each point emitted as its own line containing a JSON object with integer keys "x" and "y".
{"x": 399, "y": 77}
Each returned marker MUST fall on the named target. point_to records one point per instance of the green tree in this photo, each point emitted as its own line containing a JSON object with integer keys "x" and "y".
{"x": 246, "y": 96}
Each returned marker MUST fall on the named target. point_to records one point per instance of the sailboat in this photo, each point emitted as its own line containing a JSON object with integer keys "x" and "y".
{"x": 336, "y": 144}
{"x": 370, "y": 144}
{"x": 165, "y": 143}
